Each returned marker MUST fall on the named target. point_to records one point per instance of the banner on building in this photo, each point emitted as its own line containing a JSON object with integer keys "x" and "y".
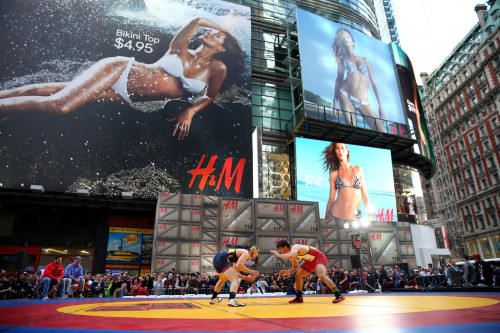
{"x": 126, "y": 96}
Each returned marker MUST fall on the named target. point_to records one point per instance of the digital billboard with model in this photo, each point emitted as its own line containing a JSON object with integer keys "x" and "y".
{"x": 350, "y": 72}
{"x": 144, "y": 96}
{"x": 343, "y": 178}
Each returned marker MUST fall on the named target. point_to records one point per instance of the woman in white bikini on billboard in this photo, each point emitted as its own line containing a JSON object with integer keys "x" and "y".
{"x": 347, "y": 184}
{"x": 352, "y": 85}
{"x": 181, "y": 72}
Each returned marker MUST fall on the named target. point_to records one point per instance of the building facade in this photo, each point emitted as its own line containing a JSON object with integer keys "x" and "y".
{"x": 461, "y": 104}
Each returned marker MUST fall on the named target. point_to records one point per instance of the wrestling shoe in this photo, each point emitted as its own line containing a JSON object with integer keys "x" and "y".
{"x": 297, "y": 300}
{"x": 215, "y": 300}
{"x": 233, "y": 303}
{"x": 338, "y": 299}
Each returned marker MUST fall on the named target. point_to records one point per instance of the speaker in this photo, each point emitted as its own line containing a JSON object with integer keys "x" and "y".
{"x": 21, "y": 259}
{"x": 356, "y": 261}
{"x": 404, "y": 267}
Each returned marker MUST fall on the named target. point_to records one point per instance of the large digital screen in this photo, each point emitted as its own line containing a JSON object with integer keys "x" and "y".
{"x": 346, "y": 70}
{"x": 141, "y": 96}
{"x": 345, "y": 177}
{"x": 417, "y": 124}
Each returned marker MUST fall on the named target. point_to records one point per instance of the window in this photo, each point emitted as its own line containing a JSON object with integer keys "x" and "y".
{"x": 484, "y": 183}
{"x": 478, "y": 207}
{"x": 460, "y": 180}
{"x": 485, "y": 246}
{"x": 480, "y": 167}
{"x": 462, "y": 192}
{"x": 455, "y": 163}
{"x": 452, "y": 149}
{"x": 462, "y": 144}
{"x": 490, "y": 202}
{"x": 483, "y": 130}
{"x": 469, "y": 174}
{"x": 473, "y": 247}
{"x": 472, "y": 187}
{"x": 496, "y": 243}
{"x": 494, "y": 123}
{"x": 472, "y": 137}
{"x": 453, "y": 116}
{"x": 491, "y": 163}
{"x": 495, "y": 176}
{"x": 487, "y": 145}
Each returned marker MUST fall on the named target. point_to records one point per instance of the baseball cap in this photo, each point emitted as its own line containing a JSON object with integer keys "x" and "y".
{"x": 476, "y": 256}
{"x": 78, "y": 258}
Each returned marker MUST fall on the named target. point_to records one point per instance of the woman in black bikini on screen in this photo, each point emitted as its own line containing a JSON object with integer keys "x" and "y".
{"x": 347, "y": 183}
{"x": 181, "y": 72}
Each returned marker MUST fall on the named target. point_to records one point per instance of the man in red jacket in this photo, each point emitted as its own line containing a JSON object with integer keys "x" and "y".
{"x": 136, "y": 290}
{"x": 53, "y": 275}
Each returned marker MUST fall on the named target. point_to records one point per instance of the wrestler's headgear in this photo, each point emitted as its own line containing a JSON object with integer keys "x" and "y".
{"x": 253, "y": 249}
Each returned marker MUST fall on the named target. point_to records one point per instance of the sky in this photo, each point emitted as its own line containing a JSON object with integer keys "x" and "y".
{"x": 430, "y": 29}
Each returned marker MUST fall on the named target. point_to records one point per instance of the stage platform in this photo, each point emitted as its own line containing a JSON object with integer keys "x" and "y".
{"x": 387, "y": 312}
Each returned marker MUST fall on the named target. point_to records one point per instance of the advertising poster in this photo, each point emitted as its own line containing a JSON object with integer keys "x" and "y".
{"x": 416, "y": 120}
{"x": 346, "y": 70}
{"x": 373, "y": 165}
{"x": 147, "y": 246}
{"x": 142, "y": 96}
{"x": 129, "y": 248}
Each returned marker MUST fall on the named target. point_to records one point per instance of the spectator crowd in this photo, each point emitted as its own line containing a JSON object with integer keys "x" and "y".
{"x": 59, "y": 282}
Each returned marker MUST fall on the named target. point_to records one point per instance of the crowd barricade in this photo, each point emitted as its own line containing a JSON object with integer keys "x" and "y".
{"x": 427, "y": 283}
{"x": 14, "y": 294}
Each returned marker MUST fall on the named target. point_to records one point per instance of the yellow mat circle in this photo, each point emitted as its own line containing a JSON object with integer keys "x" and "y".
{"x": 274, "y": 307}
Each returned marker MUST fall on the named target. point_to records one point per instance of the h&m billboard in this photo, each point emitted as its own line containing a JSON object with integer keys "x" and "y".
{"x": 145, "y": 96}
{"x": 345, "y": 177}
{"x": 349, "y": 73}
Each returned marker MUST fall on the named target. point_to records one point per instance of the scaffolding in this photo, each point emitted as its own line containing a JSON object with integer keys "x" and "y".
{"x": 443, "y": 195}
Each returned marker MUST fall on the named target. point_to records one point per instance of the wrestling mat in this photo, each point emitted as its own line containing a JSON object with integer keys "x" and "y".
{"x": 403, "y": 312}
